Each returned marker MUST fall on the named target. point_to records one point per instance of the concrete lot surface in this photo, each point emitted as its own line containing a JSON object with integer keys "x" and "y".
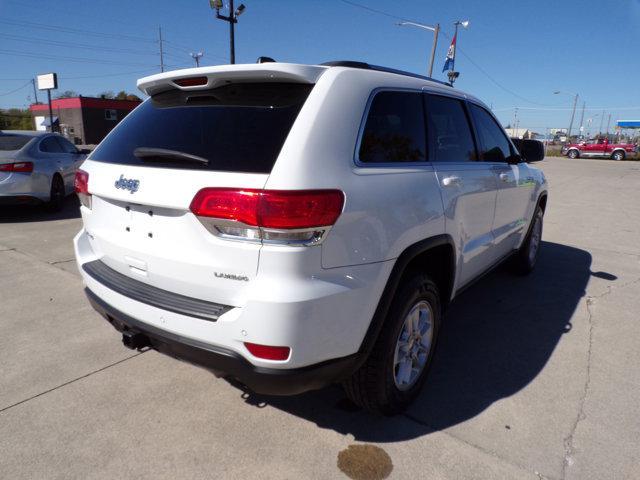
{"x": 535, "y": 377}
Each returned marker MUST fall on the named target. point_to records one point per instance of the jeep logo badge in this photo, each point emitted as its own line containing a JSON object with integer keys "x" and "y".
{"x": 127, "y": 184}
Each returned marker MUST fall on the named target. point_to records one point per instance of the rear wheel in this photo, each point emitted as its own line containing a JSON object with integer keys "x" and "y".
{"x": 56, "y": 197}
{"x": 397, "y": 367}
{"x": 618, "y": 155}
{"x": 573, "y": 154}
{"x": 525, "y": 260}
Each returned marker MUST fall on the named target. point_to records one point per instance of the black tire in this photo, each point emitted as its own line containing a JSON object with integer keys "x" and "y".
{"x": 524, "y": 261}
{"x": 618, "y": 155}
{"x": 573, "y": 154}
{"x": 373, "y": 387}
{"x": 56, "y": 197}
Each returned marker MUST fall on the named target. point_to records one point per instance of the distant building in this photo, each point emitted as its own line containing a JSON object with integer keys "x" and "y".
{"x": 83, "y": 120}
{"x": 521, "y": 133}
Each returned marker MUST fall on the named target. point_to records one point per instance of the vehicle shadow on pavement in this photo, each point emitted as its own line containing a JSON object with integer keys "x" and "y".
{"x": 38, "y": 213}
{"x": 497, "y": 337}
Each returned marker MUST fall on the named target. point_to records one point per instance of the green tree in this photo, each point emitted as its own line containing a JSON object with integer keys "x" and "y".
{"x": 15, "y": 119}
{"x": 67, "y": 94}
{"x": 122, "y": 95}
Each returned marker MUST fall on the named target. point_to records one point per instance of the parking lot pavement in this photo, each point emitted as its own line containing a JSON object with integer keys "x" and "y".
{"x": 535, "y": 377}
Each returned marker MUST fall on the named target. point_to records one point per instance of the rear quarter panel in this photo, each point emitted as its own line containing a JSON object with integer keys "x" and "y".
{"x": 386, "y": 209}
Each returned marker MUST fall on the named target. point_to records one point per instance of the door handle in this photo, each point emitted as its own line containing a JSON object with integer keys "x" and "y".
{"x": 452, "y": 181}
{"x": 504, "y": 177}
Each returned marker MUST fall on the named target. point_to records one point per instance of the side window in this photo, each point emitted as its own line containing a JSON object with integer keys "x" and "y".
{"x": 66, "y": 145}
{"x": 394, "y": 130}
{"x": 494, "y": 144}
{"x": 50, "y": 145}
{"x": 450, "y": 138}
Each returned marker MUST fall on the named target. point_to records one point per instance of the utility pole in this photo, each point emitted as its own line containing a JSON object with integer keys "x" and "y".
{"x": 232, "y": 18}
{"x": 573, "y": 114}
{"x": 601, "y": 120}
{"x": 35, "y": 92}
{"x": 584, "y": 104}
{"x": 608, "y": 123}
{"x": 196, "y": 57}
{"x": 161, "y": 53}
{"x": 436, "y": 32}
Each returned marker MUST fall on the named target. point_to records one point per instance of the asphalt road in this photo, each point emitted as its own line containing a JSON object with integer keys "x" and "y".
{"x": 535, "y": 377}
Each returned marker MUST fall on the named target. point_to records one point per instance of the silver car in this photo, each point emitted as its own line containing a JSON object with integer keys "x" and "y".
{"x": 37, "y": 168}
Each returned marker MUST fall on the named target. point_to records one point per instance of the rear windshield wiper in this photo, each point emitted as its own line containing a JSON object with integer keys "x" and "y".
{"x": 149, "y": 153}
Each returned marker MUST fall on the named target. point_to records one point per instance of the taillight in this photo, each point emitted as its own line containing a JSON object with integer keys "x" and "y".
{"x": 275, "y": 216}
{"x": 81, "y": 186}
{"x": 268, "y": 352}
{"x": 19, "y": 167}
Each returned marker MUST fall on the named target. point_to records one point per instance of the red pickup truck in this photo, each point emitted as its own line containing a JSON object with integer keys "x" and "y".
{"x": 600, "y": 148}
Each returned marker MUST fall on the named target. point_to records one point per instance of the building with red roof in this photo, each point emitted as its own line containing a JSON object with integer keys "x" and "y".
{"x": 83, "y": 120}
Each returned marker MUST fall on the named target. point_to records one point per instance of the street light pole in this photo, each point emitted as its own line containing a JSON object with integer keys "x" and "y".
{"x": 232, "y": 34}
{"x": 196, "y": 57}
{"x": 436, "y": 32}
{"x": 232, "y": 18}
{"x": 452, "y": 74}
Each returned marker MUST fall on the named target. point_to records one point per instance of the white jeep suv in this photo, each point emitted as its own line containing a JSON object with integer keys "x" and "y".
{"x": 292, "y": 226}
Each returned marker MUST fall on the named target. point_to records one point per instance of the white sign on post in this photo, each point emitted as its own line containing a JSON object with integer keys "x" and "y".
{"x": 47, "y": 81}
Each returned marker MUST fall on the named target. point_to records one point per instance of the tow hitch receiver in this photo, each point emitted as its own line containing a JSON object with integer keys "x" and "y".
{"x": 135, "y": 341}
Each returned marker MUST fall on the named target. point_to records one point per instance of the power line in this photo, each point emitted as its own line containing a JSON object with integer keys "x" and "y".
{"x": 482, "y": 70}
{"x": 564, "y": 108}
{"x": 107, "y": 74}
{"x": 17, "y": 89}
{"x": 73, "y": 45}
{"x": 58, "y": 28}
{"x": 18, "y": 53}
{"x": 373, "y": 10}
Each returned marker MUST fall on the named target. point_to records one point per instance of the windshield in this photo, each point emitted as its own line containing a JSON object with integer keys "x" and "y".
{"x": 13, "y": 142}
{"x": 235, "y": 127}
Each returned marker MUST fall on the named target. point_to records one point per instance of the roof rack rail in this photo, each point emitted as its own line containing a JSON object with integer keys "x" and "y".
{"x": 378, "y": 68}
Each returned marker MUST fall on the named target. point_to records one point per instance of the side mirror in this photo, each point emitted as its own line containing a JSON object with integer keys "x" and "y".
{"x": 531, "y": 150}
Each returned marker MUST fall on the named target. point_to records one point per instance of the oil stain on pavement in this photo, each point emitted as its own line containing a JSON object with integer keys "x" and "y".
{"x": 365, "y": 462}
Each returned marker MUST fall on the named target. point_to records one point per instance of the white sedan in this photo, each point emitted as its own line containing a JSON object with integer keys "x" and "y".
{"x": 37, "y": 168}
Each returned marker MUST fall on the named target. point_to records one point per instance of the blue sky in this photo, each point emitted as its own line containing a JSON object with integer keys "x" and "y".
{"x": 514, "y": 54}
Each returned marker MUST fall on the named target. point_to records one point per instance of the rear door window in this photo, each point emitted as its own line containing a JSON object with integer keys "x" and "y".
{"x": 494, "y": 145}
{"x": 450, "y": 138}
{"x": 237, "y": 128}
{"x": 394, "y": 130}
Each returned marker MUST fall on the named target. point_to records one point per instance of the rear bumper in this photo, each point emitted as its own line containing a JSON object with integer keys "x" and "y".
{"x": 227, "y": 363}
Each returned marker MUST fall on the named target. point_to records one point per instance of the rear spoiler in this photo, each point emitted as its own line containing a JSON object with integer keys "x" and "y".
{"x": 223, "y": 74}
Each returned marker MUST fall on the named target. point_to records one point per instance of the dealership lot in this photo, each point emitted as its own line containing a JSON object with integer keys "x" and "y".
{"x": 535, "y": 377}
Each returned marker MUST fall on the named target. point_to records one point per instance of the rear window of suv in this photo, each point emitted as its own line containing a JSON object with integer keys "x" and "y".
{"x": 236, "y": 127}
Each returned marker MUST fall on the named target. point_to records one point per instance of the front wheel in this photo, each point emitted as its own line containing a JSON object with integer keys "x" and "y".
{"x": 619, "y": 155}
{"x": 397, "y": 367}
{"x": 525, "y": 259}
{"x": 573, "y": 154}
